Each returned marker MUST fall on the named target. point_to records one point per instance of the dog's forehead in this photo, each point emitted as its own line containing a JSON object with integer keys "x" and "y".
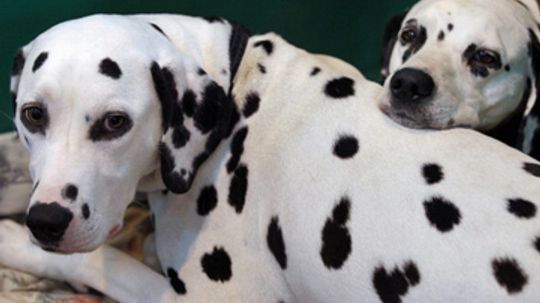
{"x": 90, "y": 59}
{"x": 485, "y": 23}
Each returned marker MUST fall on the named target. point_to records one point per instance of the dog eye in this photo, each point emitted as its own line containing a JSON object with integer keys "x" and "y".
{"x": 35, "y": 115}
{"x": 486, "y": 57}
{"x": 115, "y": 122}
{"x": 110, "y": 126}
{"x": 408, "y": 35}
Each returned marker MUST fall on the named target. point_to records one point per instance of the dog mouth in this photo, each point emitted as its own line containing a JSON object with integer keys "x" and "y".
{"x": 419, "y": 119}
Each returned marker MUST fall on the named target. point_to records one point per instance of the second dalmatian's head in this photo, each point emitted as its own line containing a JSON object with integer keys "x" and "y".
{"x": 103, "y": 104}
{"x": 469, "y": 63}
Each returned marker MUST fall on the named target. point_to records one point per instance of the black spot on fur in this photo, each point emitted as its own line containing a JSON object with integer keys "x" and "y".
{"x": 521, "y": 208}
{"x": 238, "y": 188}
{"x": 213, "y": 19}
{"x": 180, "y": 136}
{"x": 507, "y": 67}
{"x": 537, "y": 244}
{"x": 207, "y": 200}
{"x": 41, "y": 58}
{"x": 432, "y": 173}
{"x": 392, "y": 286}
{"x": 509, "y": 274}
{"x": 274, "y": 239}
{"x": 176, "y": 283}
{"x": 315, "y": 71}
{"x": 85, "y": 211}
{"x": 237, "y": 46}
{"x": 209, "y": 111}
{"x": 336, "y": 239}
{"x": 110, "y": 68}
{"x": 412, "y": 273}
{"x": 70, "y": 192}
{"x": 188, "y": 103}
{"x": 18, "y": 63}
{"x": 450, "y": 26}
{"x": 261, "y": 68}
{"x": 172, "y": 179}
{"x": 158, "y": 29}
{"x": 442, "y": 214}
{"x": 440, "y": 37}
{"x": 201, "y": 72}
{"x": 252, "y": 104}
{"x": 532, "y": 168}
{"x": 235, "y": 117}
{"x": 346, "y": 146}
{"x": 165, "y": 86}
{"x": 217, "y": 265}
{"x": 267, "y": 45}
{"x": 339, "y": 88}
{"x": 237, "y": 148}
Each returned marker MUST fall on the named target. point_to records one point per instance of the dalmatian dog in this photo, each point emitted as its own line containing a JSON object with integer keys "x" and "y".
{"x": 271, "y": 172}
{"x": 466, "y": 63}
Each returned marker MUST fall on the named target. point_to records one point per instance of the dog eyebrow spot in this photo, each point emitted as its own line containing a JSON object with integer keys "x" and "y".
{"x": 110, "y": 68}
{"x": 267, "y": 45}
{"x": 450, "y": 27}
{"x": 507, "y": 67}
{"x": 39, "y": 61}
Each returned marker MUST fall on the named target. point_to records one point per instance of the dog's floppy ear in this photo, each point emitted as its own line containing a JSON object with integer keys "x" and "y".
{"x": 529, "y": 140}
{"x": 389, "y": 40}
{"x": 196, "y": 115}
{"x": 16, "y": 71}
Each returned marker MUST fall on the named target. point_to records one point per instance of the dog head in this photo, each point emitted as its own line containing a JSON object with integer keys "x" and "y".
{"x": 459, "y": 63}
{"x": 102, "y": 103}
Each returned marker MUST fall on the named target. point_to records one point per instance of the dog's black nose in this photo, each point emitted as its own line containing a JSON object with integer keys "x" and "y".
{"x": 48, "y": 222}
{"x": 411, "y": 85}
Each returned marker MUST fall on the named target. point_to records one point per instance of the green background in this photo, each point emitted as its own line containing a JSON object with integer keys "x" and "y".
{"x": 350, "y": 30}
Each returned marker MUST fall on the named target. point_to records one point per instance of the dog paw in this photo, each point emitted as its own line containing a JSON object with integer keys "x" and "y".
{"x": 16, "y": 249}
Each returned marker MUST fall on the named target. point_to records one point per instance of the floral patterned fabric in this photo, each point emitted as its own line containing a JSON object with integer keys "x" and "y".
{"x": 15, "y": 189}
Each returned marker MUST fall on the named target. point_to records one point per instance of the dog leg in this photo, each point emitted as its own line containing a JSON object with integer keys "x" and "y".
{"x": 105, "y": 269}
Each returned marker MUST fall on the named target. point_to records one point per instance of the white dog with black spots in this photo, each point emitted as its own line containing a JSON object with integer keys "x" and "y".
{"x": 271, "y": 173}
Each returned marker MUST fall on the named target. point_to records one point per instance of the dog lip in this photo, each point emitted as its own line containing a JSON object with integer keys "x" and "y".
{"x": 114, "y": 231}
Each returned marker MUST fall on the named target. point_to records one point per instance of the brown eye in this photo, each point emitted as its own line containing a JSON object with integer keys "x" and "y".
{"x": 485, "y": 57}
{"x": 34, "y": 115}
{"x": 115, "y": 122}
{"x": 408, "y": 35}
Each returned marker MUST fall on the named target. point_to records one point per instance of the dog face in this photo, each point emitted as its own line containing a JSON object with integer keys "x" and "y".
{"x": 94, "y": 103}
{"x": 458, "y": 63}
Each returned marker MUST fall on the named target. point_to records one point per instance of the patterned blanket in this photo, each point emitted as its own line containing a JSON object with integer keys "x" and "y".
{"x": 15, "y": 188}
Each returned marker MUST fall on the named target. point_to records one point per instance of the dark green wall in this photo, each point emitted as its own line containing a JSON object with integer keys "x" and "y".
{"x": 351, "y": 30}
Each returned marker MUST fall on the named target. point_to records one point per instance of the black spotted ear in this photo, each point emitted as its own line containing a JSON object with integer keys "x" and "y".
{"x": 389, "y": 40}
{"x": 196, "y": 116}
{"x": 529, "y": 138}
{"x": 16, "y": 71}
